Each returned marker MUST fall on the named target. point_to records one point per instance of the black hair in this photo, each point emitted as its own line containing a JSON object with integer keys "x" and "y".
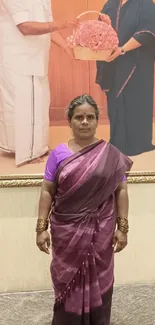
{"x": 80, "y": 100}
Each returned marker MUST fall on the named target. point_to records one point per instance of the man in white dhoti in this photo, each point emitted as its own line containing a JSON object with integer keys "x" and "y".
{"x": 26, "y": 28}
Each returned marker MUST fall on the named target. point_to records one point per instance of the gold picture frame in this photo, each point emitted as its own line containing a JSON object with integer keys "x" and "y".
{"x": 36, "y": 179}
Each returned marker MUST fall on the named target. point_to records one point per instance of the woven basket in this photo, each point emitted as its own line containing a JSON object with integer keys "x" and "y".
{"x": 84, "y": 53}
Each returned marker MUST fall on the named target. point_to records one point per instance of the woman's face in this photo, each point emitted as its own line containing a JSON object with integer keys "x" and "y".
{"x": 84, "y": 122}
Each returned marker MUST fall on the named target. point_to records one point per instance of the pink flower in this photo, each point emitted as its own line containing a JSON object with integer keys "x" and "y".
{"x": 94, "y": 34}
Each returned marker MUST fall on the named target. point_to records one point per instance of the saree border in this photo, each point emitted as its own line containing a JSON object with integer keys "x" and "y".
{"x": 35, "y": 180}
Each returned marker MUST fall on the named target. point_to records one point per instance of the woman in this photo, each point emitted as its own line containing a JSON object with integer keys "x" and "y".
{"x": 26, "y": 31}
{"x": 84, "y": 183}
{"x": 128, "y": 77}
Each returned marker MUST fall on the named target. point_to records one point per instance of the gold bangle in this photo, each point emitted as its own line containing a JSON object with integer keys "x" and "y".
{"x": 42, "y": 225}
{"x": 123, "y": 225}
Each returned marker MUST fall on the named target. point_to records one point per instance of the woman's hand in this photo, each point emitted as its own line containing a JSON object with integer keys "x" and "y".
{"x": 43, "y": 241}
{"x": 69, "y": 51}
{"x": 114, "y": 55}
{"x": 119, "y": 241}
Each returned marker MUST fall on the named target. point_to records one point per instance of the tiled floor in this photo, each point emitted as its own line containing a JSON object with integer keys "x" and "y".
{"x": 132, "y": 305}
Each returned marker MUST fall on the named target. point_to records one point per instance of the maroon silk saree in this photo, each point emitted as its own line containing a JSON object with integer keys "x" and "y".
{"x": 83, "y": 222}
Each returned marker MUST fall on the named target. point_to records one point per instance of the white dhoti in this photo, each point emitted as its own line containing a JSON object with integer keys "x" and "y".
{"x": 24, "y": 89}
{"x": 24, "y": 115}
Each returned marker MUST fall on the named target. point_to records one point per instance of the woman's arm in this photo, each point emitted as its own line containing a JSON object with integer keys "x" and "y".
{"x": 122, "y": 206}
{"x": 131, "y": 45}
{"x": 45, "y": 203}
{"x": 57, "y": 39}
{"x": 122, "y": 201}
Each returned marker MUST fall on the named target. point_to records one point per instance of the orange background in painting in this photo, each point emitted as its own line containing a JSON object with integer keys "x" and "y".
{"x": 70, "y": 78}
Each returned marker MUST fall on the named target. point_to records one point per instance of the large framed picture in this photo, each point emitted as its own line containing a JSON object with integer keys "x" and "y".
{"x": 127, "y": 107}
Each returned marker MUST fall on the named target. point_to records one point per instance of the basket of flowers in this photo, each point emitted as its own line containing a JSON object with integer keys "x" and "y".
{"x": 93, "y": 39}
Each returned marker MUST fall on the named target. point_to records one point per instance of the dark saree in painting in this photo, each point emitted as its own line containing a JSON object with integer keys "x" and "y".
{"x": 83, "y": 222}
{"x": 129, "y": 80}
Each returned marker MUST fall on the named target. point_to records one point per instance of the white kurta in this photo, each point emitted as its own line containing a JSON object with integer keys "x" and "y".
{"x": 24, "y": 89}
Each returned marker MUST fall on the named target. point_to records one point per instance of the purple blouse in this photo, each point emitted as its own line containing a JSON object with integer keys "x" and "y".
{"x": 57, "y": 155}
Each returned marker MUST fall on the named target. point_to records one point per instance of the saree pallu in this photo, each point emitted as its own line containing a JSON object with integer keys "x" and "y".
{"x": 83, "y": 222}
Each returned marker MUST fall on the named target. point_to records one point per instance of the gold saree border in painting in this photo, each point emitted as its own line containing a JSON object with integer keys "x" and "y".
{"x": 35, "y": 180}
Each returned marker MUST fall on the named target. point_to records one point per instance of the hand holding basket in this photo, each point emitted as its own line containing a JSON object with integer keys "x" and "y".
{"x": 93, "y": 39}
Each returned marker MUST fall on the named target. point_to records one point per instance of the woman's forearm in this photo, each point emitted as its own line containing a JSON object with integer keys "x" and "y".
{"x": 122, "y": 201}
{"x": 58, "y": 40}
{"x": 131, "y": 45}
{"x": 45, "y": 203}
